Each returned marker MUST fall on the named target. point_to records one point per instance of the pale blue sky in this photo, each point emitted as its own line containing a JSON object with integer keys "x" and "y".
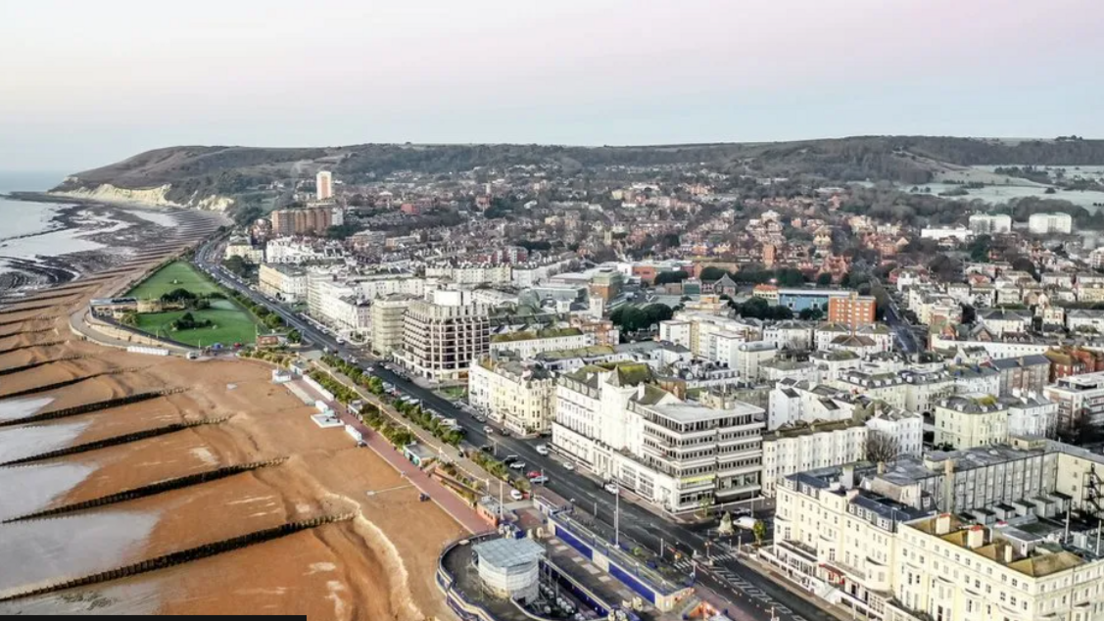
{"x": 88, "y": 83}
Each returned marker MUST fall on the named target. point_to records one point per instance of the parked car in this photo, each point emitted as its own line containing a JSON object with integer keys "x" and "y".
{"x": 542, "y": 449}
{"x": 510, "y": 459}
{"x": 480, "y": 419}
{"x": 568, "y": 465}
{"x": 541, "y": 480}
{"x": 487, "y": 429}
{"x": 517, "y": 465}
{"x": 746, "y": 522}
{"x": 611, "y": 487}
{"x": 533, "y": 474}
{"x": 516, "y": 494}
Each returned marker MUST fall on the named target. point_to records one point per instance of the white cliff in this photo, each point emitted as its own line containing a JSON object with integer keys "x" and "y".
{"x": 146, "y": 197}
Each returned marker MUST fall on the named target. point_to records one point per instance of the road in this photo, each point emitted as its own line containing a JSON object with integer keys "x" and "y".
{"x": 754, "y": 594}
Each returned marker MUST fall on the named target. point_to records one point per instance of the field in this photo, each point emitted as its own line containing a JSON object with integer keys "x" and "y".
{"x": 232, "y": 324}
{"x": 176, "y": 275}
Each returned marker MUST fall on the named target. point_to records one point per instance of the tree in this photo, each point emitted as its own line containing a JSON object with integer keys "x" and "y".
{"x": 294, "y": 337}
{"x": 663, "y": 278}
{"x": 881, "y": 447}
{"x": 712, "y": 274}
{"x": 979, "y": 248}
{"x": 824, "y": 279}
{"x": 811, "y": 314}
{"x": 236, "y": 265}
{"x": 760, "y": 532}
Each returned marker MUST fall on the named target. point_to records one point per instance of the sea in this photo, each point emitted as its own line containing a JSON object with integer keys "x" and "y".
{"x": 29, "y": 230}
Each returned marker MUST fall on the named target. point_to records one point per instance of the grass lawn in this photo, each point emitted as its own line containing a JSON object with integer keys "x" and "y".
{"x": 232, "y": 325}
{"x": 176, "y": 275}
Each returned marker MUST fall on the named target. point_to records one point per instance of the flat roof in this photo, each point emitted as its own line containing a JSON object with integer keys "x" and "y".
{"x": 508, "y": 552}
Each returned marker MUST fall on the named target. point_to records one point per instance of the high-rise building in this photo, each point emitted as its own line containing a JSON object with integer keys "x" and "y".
{"x": 324, "y": 185}
{"x": 854, "y": 310}
{"x": 387, "y": 321}
{"x": 301, "y": 221}
{"x": 442, "y": 337}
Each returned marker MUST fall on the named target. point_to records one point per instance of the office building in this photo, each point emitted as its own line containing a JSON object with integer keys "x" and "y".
{"x": 1050, "y": 223}
{"x": 991, "y": 224}
{"x": 387, "y": 322}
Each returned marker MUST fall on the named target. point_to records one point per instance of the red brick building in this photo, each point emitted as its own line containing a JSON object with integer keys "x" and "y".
{"x": 854, "y": 310}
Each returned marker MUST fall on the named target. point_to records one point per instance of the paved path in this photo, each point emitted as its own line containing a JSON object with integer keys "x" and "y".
{"x": 444, "y": 498}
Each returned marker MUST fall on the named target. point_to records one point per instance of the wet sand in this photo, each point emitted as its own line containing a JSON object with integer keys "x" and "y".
{"x": 379, "y": 566}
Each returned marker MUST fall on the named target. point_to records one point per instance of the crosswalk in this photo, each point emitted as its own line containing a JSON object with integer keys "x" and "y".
{"x": 754, "y": 592}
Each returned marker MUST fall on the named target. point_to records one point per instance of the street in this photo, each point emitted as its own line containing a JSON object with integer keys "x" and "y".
{"x": 749, "y": 591}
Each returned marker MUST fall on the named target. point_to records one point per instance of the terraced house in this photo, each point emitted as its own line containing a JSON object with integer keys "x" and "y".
{"x": 673, "y": 453}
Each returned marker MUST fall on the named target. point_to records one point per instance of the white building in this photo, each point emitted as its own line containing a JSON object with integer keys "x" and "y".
{"x": 323, "y": 183}
{"x": 518, "y": 396}
{"x": 991, "y": 224}
{"x": 796, "y": 335}
{"x": 964, "y": 422}
{"x": 483, "y": 274}
{"x": 793, "y": 401}
{"x": 904, "y": 430}
{"x": 1080, "y": 400}
{"x": 747, "y": 358}
{"x": 1031, "y": 415}
{"x": 528, "y": 345}
{"x": 887, "y": 387}
{"x": 387, "y": 322}
{"x": 959, "y": 234}
{"x": 924, "y": 390}
{"x": 806, "y": 446}
{"x": 441, "y": 337}
{"x": 674, "y": 454}
{"x": 1050, "y": 223}
{"x": 242, "y": 247}
{"x": 975, "y": 380}
{"x": 282, "y": 282}
{"x": 336, "y": 303}
{"x": 1001, "y": 322}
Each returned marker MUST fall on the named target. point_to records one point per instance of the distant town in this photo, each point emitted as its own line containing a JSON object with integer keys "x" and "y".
{"x": 867, "y": 391}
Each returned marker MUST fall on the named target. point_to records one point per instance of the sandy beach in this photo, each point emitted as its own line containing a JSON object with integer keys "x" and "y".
{"x": 379, "y": 565}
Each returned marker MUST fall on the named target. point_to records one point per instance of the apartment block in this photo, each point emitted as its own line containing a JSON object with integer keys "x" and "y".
{"x": 1080, "y": 400}
{"x": 519, "y": 396}
{"x": 853, "y": 310}
{"x": 283, "y": 282}
{"x": 442, "y": 337}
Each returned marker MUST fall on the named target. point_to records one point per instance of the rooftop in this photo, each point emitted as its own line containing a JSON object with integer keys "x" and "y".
{"x": 508, "y": 552}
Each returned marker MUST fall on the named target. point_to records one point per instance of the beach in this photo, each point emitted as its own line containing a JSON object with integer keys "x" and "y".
{"x": 376, "y": 562}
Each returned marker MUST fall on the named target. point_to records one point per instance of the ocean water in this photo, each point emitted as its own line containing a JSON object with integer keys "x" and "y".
{"x": 22, "y": 218}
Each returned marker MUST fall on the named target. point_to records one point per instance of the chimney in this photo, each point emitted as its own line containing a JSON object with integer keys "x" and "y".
{"x": 1008, "y": 554}
{"x": 943, "y": 524}
{"x": 975, "y": 537}
{"x": 847, "y": 477}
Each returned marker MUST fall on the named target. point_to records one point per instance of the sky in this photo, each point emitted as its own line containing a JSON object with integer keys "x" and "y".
{"x": 89, "y": 83}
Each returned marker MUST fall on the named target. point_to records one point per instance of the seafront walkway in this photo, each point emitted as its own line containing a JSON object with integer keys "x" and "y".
{"x": 438, "y": 493}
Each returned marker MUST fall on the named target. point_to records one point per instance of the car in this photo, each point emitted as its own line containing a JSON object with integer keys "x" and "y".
{"x": 517, "y": 465}
{"x": 541, "y": 480}
{"x": 533, "y": 474}
{"x": 487, "y": 429}
{"x": 516, "y": 494}
{"x": 510, "y": 459}
{"x": 611, "y": 487}
{"x": 486, "y": 448}
{"x": 568, "y": 465}
{"x": 542, "y": 449}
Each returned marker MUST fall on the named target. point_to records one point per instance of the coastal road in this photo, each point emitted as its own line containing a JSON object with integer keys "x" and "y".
{"x": 748, "y": 591}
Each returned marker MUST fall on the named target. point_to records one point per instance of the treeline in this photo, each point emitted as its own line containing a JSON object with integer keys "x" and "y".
{"x": 635, "y": 318}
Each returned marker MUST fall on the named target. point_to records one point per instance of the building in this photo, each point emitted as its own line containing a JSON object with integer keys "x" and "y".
{"x": 791, "y": 334}
{"x": 242, "y": 247}
{"x": 517, "y": 395}
{"x": 674, "y": 454}
{"x": 747, "y": 358}
{"x": 387, "y": 322}
{"x": 1023, "y": 373}
{"x": 1050, "y": 223}
{"x": 1000, "y": 322}
{"x": 510, "y": 568}
{"x": 960, "y": 234}
{"x": 289, "y": 222}
{"x": 798, "y": 300}
{"x": 282, "y": 282}
{"x": 323, "y": 183}
{"x": 802, "y": 446}
{"x": 924, "y": 390}
{"x": 991, "y": 224}
{"x": 853, "y": 310}
{"x": 888, "y": 387}
{"x": 442, "y": 337}
{"x": 971, "y": 535}
{"x": 893, "y": 433}
{"x": 1080, "y": 401}
{"x": 529, "y": 344}
{"x": 1030, "y": 414}
{"x": 963, "y": 422}
{"x": 337, "y": 303}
